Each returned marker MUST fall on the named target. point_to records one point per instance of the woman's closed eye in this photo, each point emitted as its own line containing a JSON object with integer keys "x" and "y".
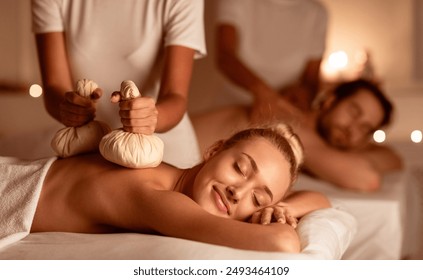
{"x": 256, "y": 200}
{"x": 261, "y": 198}
{"x": 241, "y": 168}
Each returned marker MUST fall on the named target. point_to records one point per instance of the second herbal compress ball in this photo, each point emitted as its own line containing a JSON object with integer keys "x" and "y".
{"x": 129, "y": 149}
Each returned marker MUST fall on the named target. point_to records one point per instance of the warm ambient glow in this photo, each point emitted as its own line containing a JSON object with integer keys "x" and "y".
{"x": 338, "y": 60}
{"x": 335, "y": 64}
{"x": 35, "y": 90}
{"x": 416, "y": 136}
{"x": 379, "y": 136}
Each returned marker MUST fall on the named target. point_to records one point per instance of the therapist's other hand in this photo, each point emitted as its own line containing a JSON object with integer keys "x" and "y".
{"x": 263, "y": 107}
{"x": 76, "y": 110}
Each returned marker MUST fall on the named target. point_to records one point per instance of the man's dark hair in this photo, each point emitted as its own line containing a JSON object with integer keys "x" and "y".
{"x": 350, "y": 88}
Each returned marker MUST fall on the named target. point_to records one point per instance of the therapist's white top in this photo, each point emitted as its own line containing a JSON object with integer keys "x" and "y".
{"x": 109, "y": 41}
{"x": 276, "y": 38}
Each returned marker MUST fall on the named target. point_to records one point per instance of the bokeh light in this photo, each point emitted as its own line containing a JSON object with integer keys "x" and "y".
{"x": 416, "y": 136}
{"x": 379, "y": 136}
{"x": 338, "y": 60}
{"x": 35, "y": 90}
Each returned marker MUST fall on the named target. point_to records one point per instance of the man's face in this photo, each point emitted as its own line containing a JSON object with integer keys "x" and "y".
{"x": 349, "y": 123}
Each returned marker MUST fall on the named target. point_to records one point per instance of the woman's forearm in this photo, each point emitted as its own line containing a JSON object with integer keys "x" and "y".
{"x": 274, "y": 237}
{"x": 300, "y": 203}
{"x": 174, "y": 214}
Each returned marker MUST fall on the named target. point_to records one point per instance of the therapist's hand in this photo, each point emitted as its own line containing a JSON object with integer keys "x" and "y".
{"x": 76, "y": 110}
{"x": 138, "y": 115}
{"x": 264, "y": 106}
{"x": 298, "y": 95}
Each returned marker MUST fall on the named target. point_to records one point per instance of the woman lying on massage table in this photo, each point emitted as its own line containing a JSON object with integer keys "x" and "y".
{"x": 240, "y": 181}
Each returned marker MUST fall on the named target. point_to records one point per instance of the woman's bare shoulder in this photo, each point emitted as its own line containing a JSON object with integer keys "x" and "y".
{"x": 93, "y": 169}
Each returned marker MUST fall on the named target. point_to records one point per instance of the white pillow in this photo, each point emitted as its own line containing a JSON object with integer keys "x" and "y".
{"x": 326, "y": 233}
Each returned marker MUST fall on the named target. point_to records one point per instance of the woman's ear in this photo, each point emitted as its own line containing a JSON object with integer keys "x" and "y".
{"x": 213, "y": 149}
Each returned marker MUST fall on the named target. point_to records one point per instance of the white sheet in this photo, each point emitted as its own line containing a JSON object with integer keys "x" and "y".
{"x": 379, "y": 215}
{"x": 325, "y": 234}
{"x": 413, "y": 187}
{"x": 389, "y": 221}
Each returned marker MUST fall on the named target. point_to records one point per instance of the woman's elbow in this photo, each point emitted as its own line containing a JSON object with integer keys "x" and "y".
{"x": 292, "y": 245}
{"x": 286, "y": 240}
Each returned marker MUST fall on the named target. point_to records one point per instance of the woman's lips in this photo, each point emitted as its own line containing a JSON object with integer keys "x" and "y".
{"x": 221, "y": 201}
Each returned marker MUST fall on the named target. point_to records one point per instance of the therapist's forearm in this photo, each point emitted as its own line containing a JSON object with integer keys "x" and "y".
{"x": 170, "y": 109}
{"x": 236, "y": 71}
{"x": 301, "y": 203}
{"x": 52, "y": 98}
{"x": 54, "y": 68}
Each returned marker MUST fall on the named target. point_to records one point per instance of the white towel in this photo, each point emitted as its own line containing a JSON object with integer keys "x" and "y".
{"x": 20, "y": 187}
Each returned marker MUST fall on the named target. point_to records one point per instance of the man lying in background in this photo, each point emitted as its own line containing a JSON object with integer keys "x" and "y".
{"x": 336, "y": 135}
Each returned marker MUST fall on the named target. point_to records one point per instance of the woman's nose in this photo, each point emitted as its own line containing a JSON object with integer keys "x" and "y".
{"x": 232, "y": 194}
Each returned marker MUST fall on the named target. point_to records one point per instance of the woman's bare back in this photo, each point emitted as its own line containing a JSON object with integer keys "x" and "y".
{"x": 86, "y": 194}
